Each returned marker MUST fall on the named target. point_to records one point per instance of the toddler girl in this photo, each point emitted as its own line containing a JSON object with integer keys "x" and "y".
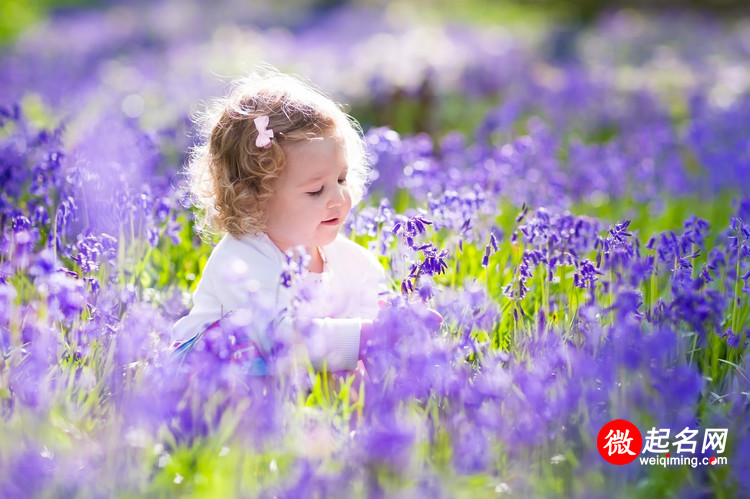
{"x": 279, "y": 169}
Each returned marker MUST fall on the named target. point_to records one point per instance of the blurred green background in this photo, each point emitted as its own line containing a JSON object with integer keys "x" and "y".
{"x": 15, "y": 15}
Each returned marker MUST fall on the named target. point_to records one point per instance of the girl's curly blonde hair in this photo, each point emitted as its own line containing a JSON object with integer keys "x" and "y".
{"x": 231, "y": 179}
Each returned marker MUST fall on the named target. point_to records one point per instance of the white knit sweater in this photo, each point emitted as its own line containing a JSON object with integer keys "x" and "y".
{"x": 249, "y": 268}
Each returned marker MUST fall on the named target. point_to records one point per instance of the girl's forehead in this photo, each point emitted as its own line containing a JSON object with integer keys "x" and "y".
{"x": 330, "y": 139}
{"x": 315, "y": 157}
{"x": 326, "y": 147}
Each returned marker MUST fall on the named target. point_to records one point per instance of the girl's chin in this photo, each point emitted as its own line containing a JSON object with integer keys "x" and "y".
{"x": 325, "y": 235}
{"x": 326, "y": 239}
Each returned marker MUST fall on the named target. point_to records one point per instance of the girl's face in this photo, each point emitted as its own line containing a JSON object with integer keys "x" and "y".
{"x": 311, "y": 199}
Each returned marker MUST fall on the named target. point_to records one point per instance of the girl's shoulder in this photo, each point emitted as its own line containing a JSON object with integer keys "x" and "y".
{"x": 357, "y": 266}
{"x": 345, "y": 250}
{"x": 253, "y": 246}
{"x": 253, "y": 252}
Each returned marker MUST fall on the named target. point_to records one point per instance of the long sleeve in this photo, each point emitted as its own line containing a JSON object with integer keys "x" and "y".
{"x": 338, "y": 349}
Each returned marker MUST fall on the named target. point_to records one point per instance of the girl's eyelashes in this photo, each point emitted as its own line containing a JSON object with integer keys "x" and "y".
{"x": 342, "y": 181}
{"x": 316, "y": 193}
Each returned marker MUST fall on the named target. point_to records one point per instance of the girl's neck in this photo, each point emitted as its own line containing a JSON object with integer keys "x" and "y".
{"x": 316, "y": 260}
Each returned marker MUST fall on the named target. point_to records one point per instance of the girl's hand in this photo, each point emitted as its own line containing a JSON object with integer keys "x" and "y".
{"x": 432, "y": 319}
{"x": 431, "y": 316}
{"x": 365, "y": 334}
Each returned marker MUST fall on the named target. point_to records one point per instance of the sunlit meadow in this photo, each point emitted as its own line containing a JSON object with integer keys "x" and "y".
{"x": 576, "y": 205}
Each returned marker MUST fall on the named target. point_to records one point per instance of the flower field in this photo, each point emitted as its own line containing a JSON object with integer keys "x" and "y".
{"x": 575, "y": 204}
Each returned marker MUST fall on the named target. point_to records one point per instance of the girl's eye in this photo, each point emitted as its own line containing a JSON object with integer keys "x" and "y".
{"x": 342, "y": 181}
{"x": 316, "y": 193}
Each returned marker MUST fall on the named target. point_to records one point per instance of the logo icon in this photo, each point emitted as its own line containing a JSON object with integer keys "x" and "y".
{"x": 619, "y": 442}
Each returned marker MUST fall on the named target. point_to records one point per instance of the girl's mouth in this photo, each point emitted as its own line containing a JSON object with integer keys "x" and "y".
{"x": 331, "y": 221}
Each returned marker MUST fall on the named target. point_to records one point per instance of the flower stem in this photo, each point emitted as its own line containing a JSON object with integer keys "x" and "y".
{"x": 735, "y": 297}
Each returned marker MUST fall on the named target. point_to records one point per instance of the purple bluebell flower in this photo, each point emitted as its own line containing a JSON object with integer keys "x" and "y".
{"x": 65, "y": 296}
{"x": 732, "y": 339}
{"x": 31, "y": 471}
{"x": 172, "y": 230}
{"x": 295, "y": 262}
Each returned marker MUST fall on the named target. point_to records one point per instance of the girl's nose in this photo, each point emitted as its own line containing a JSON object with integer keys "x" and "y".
{"x": 338, "y": 197}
